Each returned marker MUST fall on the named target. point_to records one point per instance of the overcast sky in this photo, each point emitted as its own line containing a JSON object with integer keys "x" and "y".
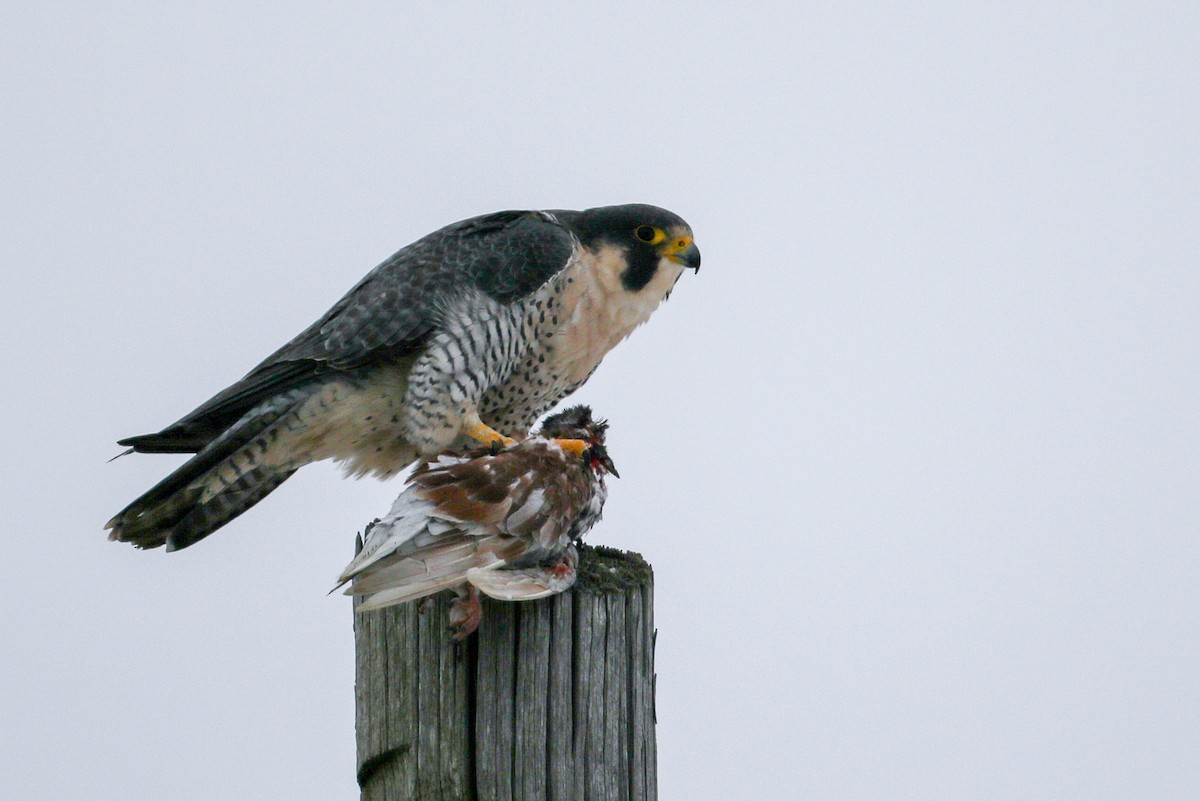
{"x": 914, "y": 456}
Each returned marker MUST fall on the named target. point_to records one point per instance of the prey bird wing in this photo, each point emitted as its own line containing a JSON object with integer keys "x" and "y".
{"x": 503, "y": 522}
{"x": 509, "y": 506}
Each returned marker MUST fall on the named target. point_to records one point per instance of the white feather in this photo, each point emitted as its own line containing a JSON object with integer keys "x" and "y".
{"x": 407, "y": 518}
{"x": 529, "y": 584}
{"x": 409, "y": 592}
{"x": 533, "y": 504}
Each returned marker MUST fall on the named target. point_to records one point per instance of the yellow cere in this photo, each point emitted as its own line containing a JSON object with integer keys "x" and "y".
{"x": 680, "y": 243}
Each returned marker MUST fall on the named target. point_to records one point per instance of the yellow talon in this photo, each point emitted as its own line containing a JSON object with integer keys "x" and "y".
{"x": 487, "y": 435}
{"x": 575, "y": 446}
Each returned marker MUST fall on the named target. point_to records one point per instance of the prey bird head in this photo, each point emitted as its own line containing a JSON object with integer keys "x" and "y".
{"x": 576, "y": 422}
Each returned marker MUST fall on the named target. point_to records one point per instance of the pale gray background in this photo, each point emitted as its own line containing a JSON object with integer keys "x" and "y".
{"x": 914, "y": 455}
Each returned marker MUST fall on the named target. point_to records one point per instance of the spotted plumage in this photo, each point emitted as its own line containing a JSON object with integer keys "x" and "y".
{"x": 503, "y": 523}
{"x": 468, "y": 334}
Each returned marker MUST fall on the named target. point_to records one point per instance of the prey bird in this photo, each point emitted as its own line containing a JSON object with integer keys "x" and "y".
{"x": 467, "y": 335}
{"x": 501, "y": 522}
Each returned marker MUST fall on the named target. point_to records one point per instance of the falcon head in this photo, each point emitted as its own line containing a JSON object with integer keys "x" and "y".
{"x": 576, "y": 422}
{"x": 653, "y": 240}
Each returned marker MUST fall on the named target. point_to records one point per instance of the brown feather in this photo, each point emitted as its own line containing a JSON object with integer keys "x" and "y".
{"x": 518, "y": 506}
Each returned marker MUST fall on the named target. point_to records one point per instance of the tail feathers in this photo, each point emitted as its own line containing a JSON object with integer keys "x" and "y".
{"x": 410, "y": 592}
{"x": 445, "y": 560}
{"x": 224, "y": 479}
{"x": 494, "y": 580}
{"x": 205, "y": 518}
{"x": 396, "y": 580}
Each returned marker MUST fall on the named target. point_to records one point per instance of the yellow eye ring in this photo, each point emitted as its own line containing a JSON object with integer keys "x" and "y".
{"x": 649, "y": 234}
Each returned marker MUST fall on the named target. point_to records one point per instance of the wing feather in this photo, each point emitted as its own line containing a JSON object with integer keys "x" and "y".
{"x": 507, "y": 514}
{"x": 389, "y": 314}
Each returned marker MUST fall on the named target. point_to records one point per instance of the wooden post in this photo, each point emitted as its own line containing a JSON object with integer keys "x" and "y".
{"x": 551, "y": 700}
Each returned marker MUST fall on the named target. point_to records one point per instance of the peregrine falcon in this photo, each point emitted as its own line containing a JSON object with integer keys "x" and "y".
{"x": 466, "y": 335}
{"x": 501, "y": 522}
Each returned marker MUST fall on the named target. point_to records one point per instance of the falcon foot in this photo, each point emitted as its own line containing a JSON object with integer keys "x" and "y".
{"x": 488, "y": 435}
{"x": 574, "y": 446}
{"x": 465, "y": 613}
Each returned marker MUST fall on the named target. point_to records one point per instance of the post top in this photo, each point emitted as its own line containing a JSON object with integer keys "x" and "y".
{"x": 602, "y": 570}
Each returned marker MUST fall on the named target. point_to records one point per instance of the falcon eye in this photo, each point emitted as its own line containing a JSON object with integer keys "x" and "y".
{"x": 647, "y": 234}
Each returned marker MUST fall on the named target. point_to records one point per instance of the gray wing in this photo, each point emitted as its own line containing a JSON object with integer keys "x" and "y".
{"x": 389, "y": 314}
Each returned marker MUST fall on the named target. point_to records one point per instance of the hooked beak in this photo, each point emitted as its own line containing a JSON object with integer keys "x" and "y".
{"x": 599, "y": 455}
{"x": 607, "y": 463}
{"x": 682, "y": 250}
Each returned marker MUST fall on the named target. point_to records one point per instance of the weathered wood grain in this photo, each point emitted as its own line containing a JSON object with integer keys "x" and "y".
{"x": 551, "y": 700}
